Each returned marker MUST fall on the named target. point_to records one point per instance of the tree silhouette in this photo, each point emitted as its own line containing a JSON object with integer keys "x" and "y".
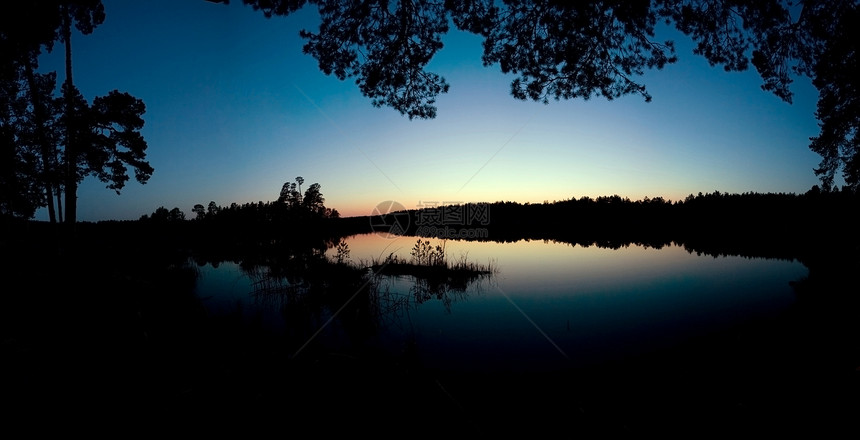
{"x": 289, "y": 195}
{"x": 107, "y": 139}
{"x": 199, "y": 212}
{"x": 115, "y": 124}
{"x": 212, "y": 209}
{"x": 396, "y": 46}
{"x": 300, "y": 180}
{"x": 565, "y": 50}
{"x": 86, "y": 15}
{"x": 19, "y": 168}
{"x": 46, "y": 112}
{"x": 313, "y": 200}
{"x": 101, "y": 139}
{"x": 28, "y": 120}
{"x": 176, "y": 215}
{"x": 571, "y": 50}
{"x": 23, "y": 34}
{"x": 835, "y": 75}
{"x": 160, "y": 215}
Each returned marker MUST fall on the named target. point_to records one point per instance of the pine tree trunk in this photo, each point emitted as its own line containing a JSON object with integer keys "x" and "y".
{"x": 59, "y": 205}
{"x": 71, "y": 136}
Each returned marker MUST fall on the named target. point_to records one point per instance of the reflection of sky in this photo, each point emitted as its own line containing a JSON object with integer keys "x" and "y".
{"x": 592, "y": 302}
{"x": 222, "y": 288}
{"x": 552, "y": 267}
{"x": 234, "y": 109}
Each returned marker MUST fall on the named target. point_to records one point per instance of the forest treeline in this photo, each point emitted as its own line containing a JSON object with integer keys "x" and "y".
{"x": 295, "y": 217}
{"x": 772, "y": 225}
{"x": 746, "y": 215}
{"x": 621, "y": 216}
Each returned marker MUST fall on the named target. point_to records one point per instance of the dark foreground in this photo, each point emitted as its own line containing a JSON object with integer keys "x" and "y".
{"x": 113, "y": 341}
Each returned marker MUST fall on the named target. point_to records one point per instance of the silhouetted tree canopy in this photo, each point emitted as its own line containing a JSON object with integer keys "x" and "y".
{"x": 116, "y": 121}
{"x": 28, "y": 131}
{"x": 212, "y": 208}
{"x": 313, "y": 199}
{"x": 564, "y": 50}
{"x": 57, "y": 141}
{"x": 835, "y": 75}
{"x": 199, "y": 212}
{"x": 175, "y": 215}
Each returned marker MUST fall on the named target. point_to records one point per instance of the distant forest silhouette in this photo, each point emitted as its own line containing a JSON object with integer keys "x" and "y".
{"x": 773, "y": 225}
{"x": 770, "y": 225}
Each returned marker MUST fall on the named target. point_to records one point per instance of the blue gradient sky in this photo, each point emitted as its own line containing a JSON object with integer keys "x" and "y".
{"x": 234, "y": 110}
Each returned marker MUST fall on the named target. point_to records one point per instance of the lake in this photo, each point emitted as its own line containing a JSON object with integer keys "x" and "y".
{"x": 548, "y": 305}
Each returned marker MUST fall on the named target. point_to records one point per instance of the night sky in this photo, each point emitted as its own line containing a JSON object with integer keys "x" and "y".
{"x": 234, "y": 110}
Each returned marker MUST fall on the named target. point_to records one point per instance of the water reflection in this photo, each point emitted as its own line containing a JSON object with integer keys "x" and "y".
{"x": 549, "y": 305}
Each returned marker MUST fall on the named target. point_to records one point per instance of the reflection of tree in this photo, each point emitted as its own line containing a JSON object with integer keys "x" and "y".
{"x": 393, "y": 307}
{"x": 432, "y": 274}
{"x": 425, "y": 290}
{"x": 299, "y": 306}
{"x": 347, "y": 301}
{"x": 272, "y": 290}
{"x": 749, "y": 224}
{"x": 312, "y": 293}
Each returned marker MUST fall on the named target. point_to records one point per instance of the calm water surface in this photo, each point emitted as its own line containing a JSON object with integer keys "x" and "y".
{"x": 549, "y": 305}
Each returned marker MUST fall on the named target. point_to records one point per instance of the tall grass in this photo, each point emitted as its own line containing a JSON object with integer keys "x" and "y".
{"x": 427, "y": 260}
